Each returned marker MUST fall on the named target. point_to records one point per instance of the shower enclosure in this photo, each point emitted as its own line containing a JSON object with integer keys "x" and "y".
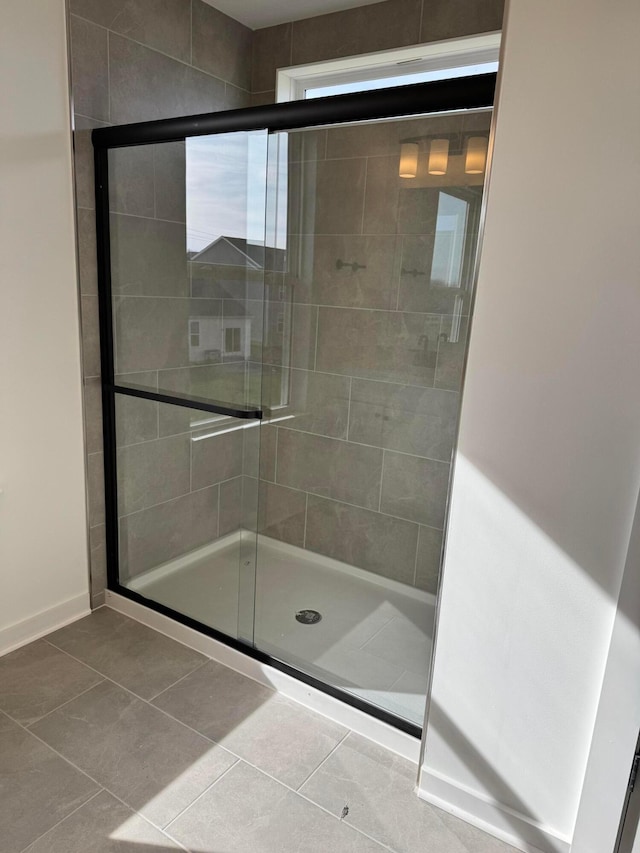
{"x": 285, "y": 295}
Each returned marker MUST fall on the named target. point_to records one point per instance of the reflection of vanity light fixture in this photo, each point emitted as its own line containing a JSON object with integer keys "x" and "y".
{"x": 476, "y": 158}
{"x": 408, "y": 160}
{"x": 438, "y": 156}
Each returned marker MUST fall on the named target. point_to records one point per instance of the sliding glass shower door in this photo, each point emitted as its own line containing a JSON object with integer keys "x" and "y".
{"x": 187, "y": 223}
{"x": 284, "y": 320}
{"x": 375, "y": 296}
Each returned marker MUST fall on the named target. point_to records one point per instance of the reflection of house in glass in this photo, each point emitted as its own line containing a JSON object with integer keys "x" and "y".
{"x": 232, "y": 270}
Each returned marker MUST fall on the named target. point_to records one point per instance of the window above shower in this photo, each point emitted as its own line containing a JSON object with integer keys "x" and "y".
{"x": 416, "y": 64}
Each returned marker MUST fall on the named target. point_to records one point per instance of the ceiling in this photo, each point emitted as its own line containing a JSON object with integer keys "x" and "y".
{"x": 265, "y": 13}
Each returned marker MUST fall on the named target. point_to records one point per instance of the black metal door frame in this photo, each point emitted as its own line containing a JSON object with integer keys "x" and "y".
{"x": 465, "y": 93}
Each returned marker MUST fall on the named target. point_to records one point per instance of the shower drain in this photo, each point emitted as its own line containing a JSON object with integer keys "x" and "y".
{"x": 308, "y": 617}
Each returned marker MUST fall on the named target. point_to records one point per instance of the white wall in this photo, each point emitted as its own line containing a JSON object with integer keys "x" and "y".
{"x": 43, "y": 540}
{"x": 548, "y": 465}
{"x": 617, "y": 724}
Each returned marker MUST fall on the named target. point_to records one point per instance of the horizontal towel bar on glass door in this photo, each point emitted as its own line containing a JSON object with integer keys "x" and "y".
{"x": 233, "y": 410}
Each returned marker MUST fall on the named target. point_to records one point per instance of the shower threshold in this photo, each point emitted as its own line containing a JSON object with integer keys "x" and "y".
{"x": 373, "y": 639}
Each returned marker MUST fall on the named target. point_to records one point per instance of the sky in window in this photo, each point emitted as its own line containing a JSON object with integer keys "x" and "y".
{"x": 401, "y": 80}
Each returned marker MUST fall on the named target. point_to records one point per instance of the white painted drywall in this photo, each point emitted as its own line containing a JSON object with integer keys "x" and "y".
{"x": 43, "y": 541}
{"x": 617, "y": 723}
{"x": 548, "y": 464}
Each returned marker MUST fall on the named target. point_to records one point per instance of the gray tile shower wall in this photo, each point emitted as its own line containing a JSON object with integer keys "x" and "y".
{"x": 134, "y": 60}
{"x": 358, "y": 468}
{"x": 381, "y": 26}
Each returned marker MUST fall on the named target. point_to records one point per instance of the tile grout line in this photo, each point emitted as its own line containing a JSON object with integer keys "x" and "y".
{"x": 210, "y": 740}
{"x": 125, "y": 213}
{"x": 165, "y": 714}
{"x": 57, "y": 708}
{"x": 346, "y": 503}
{"x": 275, "y": 459}
{"x": 404, "y": 385}
{"x": 433, "y": 314}
{"x": 84, "y": 129}
{"x": 364, "y": 194}
{"x": 324, "y": 760}
{"x": 362, "y": 444}
{"x": 415, "y": 565}
{"x": 199, "y": 797}
{"x": 399, "y": 282}
{"x": 306, "y": 516}
{"x": 55, "y": 825}
{"x": 346, "y": 822}
{"x": 122, "y": 686}
{"x": 157, "y": 707}
{"x": 152, "y": 699}
{"x": 170, "y": 716}
{"x": 154, "y": 154}
{"x": 435, "y": 369}
{"x": 315, "y": 350}
{"x": 163, "y": 503}
{"x": 307, "y": 799}
{"x": 384, "y": 452}
{"x": 83, "y": 772}
{"x": 153, "y": 50}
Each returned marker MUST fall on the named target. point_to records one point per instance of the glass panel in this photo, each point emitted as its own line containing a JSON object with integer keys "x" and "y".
{"x": 188, "y": 265}
{"x": 361, "y": 380}
{"x": 186, "y": 505}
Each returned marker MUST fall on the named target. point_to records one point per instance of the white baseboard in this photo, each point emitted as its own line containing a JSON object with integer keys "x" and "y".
{"x": 492, "y": 817}
{"x": 34, "y": 627}
{"x": 365, "y": 725}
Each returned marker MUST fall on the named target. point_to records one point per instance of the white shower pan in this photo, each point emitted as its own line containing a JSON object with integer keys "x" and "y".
{"x": 374, "y": 636}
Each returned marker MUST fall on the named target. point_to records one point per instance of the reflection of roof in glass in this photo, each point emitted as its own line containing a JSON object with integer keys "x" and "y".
{"x": 237, "y": 252}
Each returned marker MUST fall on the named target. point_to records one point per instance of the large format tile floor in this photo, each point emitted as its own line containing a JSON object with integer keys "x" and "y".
{"x": 116, "y": 739}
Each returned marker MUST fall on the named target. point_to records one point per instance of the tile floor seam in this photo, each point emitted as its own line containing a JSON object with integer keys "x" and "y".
{"x": 95, "y": 781}
{"x": 117, "y": 683}
{"x": 222, "y": 747}
{"x": 167, "y": 826}
{"x": 306, "y": 799}
{"x": 57, "y": 708}
{"x": 182, "y": 677}
{"x": 274, "y": 690}
{"x": 106, "y": 678}
{"x": 62, "y": 820}
{"x": 326, "y": 758}
{"x": 357, "y": 829}
{"x": 78, "y": 769}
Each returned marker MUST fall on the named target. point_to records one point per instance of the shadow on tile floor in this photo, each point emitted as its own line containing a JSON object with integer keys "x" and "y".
{"x": 116, "y": 739}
